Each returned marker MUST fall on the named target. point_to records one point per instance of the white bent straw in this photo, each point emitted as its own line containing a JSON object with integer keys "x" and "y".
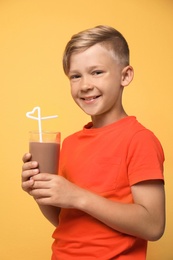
{"x": 39, "y": 118}
{"x": 39, "y": 125}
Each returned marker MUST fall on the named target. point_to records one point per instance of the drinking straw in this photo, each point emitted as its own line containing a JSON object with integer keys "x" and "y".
{"x": 39, "y": 125}
{"x": 39, "y": 118}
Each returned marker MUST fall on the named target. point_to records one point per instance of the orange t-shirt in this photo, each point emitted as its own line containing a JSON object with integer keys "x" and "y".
{"x": 106, "y": 161}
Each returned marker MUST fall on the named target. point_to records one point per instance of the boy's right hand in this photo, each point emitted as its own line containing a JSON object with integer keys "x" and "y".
{"x": 29, "y": 169}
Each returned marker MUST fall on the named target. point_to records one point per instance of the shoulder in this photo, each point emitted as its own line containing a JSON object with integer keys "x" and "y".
{"x": 139, "y": 133}
{"x": 143, "y": 143}
{"x": 144, "y": 136}
{"x": 145, "y": 151}
{"x": 72, "y": 138}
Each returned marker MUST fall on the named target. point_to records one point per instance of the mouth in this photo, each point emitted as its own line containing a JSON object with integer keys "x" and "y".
{"x": 90, "y": 99}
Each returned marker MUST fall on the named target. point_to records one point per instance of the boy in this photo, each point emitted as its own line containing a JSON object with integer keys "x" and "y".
{"x": 108, "y": 198}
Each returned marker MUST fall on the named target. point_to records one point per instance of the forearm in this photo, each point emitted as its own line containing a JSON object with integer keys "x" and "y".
{"x": 145, "y": 218}
{"x": 132, "y": 219}
{"x": 51, "y": 213}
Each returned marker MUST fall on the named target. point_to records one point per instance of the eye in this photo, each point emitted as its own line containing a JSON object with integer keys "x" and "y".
{"x": 97, "y": 72}
{"x": 74, "y": 77}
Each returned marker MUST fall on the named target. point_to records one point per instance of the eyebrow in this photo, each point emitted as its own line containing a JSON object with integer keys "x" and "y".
{"x": 88, "y": 68}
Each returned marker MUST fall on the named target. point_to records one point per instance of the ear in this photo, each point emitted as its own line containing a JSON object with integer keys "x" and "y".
{"x": 127, "y": 75}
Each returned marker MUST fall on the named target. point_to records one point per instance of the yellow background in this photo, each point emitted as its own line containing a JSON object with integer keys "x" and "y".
{"x": 33, "y": 34}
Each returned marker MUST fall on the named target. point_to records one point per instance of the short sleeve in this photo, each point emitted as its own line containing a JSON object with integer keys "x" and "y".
{"x": 145, "y": 158}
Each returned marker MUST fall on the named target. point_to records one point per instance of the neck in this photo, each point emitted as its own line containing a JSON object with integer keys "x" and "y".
{"x": 100, "y": 120}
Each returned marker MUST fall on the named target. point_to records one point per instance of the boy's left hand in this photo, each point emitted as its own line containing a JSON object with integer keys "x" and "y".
{"x": 55, "y": 190}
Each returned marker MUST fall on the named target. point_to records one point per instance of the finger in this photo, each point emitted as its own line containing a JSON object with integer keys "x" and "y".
{"x": 40, "y": 193}
{"x": 27, "y": 185}
{"x": 26, "y": 157}
{"x": 26, "y": 175}
{"x": 29, "y": 165}
{"x": 41, "y": 184}
{"x": 44, "y": 201}
{"x": 44, "y": 177}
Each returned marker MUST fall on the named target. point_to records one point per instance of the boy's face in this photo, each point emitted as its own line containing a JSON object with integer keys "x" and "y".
{"x": 96, "y": 80}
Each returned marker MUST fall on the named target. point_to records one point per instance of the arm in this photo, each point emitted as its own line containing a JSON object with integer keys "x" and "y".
{"x": 145, "y": 218}
{"x": 51, "y": 213}
{"x": 29, "y": 170}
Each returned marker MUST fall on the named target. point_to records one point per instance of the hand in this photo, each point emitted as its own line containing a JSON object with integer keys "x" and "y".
{"x": 51, "y": 189}
{"x": 29, "y": 169}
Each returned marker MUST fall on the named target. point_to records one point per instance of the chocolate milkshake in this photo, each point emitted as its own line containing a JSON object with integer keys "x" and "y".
{"x": 45, "y": 152}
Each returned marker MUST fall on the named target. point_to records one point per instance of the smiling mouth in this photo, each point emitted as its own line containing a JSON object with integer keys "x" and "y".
{"x": 90, "y": 98}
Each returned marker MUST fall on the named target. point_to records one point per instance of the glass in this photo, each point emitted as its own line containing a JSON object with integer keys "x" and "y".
{"x": 45, "y": 148}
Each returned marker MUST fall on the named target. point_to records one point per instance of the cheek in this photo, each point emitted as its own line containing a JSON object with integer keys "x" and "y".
{"x": 74, "y": 93}
{"x": 72, "y": 90}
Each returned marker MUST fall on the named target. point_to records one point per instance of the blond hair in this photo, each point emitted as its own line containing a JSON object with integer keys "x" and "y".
{"x": 105, "y": 35}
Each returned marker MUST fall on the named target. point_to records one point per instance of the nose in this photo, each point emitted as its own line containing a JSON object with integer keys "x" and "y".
{"x": 86, "y": 84}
